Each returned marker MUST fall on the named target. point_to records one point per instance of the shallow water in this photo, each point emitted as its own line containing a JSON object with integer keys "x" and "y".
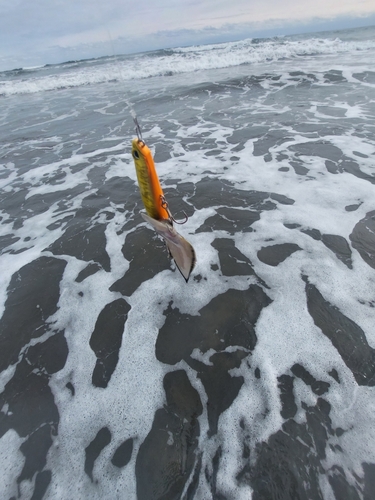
{"x": 254, "y": 380}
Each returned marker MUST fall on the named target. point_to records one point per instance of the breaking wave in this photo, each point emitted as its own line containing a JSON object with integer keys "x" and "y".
{"x": 171, "y": 62}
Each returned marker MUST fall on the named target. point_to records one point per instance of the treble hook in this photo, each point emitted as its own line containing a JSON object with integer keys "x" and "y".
{"x": 138, "y": 129}
{"x": 165, "y": 205}
{"x": 181, "y": 221}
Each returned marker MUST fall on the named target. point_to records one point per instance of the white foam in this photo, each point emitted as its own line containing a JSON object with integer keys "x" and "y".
{"x": 12, "y": 461}
{"x": 118, "y": 406}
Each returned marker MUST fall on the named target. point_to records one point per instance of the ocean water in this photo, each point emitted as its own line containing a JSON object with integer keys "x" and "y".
{"x": 256, "y": 380}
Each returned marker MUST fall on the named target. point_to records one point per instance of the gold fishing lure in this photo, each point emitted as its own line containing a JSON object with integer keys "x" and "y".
{"x": 157, "y": 211}
{"x": 148, "y": 181}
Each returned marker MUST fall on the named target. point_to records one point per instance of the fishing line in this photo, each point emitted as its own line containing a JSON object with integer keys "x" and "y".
{"x": 121, "y": 79}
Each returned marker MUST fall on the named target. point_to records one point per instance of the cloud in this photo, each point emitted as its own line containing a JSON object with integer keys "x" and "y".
{"x": 45, "y": 31}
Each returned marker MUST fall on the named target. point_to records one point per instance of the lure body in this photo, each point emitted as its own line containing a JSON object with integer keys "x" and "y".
{"x": 157, "y": 213}
{"x": 148, "y": 181}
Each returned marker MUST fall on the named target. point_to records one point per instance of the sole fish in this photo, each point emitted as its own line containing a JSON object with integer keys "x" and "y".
{"x": 180, "y": 249}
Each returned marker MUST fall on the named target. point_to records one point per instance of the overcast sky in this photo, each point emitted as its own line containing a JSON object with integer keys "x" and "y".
{"x": 35, "y": 32}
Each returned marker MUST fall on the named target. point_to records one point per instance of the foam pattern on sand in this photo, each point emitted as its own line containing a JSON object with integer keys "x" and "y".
{"x": 254, "y": 380}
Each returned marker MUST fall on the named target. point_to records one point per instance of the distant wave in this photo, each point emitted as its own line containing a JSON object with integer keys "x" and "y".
{"x": 172, "y": 61}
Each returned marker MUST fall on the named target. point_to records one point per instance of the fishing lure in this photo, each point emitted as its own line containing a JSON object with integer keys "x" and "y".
{"x": 157, "y": 213}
